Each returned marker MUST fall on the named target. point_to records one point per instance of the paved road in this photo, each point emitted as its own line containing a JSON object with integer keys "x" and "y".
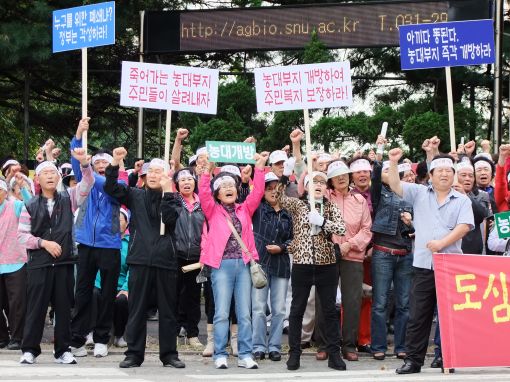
{"x": 201, "y": 369}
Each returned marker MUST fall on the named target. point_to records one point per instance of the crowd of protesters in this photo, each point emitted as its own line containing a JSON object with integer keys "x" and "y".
{"x": 100, "y": 246}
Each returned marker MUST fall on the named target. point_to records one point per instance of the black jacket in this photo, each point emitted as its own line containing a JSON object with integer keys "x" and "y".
{"x": 57, "y": 228}
{"x": 146, "y": 246}
{"x": 188, "y": 230}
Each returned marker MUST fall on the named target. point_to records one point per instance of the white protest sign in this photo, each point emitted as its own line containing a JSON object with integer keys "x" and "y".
{"x": 169, "y": 87}
{"x": 303, "y": 86}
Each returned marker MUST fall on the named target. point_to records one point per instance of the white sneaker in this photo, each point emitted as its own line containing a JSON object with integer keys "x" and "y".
{"x": 79, "y": 352}
{"x": 100, "y": 350}
{"x": 67, "y": 359}
{"x": 221, "y": 363}
{"x": 194, "y": 342}
{"x": 247, "y": 363}
{"x": 120, "y": 342}
{"x": 27, "y": 358}
{"x": 89, "y": 342}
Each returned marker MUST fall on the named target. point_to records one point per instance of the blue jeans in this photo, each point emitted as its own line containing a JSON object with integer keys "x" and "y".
{"x": 232, "y": 278}
{"x": 388, "y": 268}
{"x": 277, "y": 287}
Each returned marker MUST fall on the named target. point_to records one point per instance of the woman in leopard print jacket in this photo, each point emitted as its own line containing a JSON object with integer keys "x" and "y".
{"x": 314, "y": 263}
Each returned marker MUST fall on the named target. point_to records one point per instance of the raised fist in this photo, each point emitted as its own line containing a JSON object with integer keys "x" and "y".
{"x": 250, "y": 140}
{"x": 138, "y": 166}
{"x": 246, "y": 174}
{"x": 395, "y": 154}
{"x": 470, "y": 147}
{"x": 296, "y": 135}
{"x": 504, "y": 152}
{"x": 83, "y": 125}
{"x": 119, "y": 153}
{"x": 182, "y": 134}
{"x": 262, "y": 159}
{"x": 80, "y": 155}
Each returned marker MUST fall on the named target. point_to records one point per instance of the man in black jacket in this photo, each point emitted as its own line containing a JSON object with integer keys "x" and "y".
{"x": 152, "y": 258}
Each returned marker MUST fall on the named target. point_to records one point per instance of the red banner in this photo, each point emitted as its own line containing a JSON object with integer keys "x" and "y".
{"x": 474, "y": 309}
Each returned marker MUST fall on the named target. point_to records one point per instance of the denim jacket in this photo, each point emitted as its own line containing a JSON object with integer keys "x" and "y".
{"x": 387, "y": 209}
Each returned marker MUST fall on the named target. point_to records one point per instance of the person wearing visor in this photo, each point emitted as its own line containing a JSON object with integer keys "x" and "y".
{"x": 188, "y": 234}
{"x": 392, "y": 260}
{"x": 152, "y": 258}
{"x": 272, "y": 227}
{"x": 313, "y": 263}
{"x": 442, "y": 217}
{"x": 230, "y": 273}
{"x": 97, "y": 231}
{"x": 45, "y": 229}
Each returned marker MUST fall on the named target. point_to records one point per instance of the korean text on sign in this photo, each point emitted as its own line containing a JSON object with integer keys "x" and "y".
{"x": 84, "y": 27}
{"x": 473, "y": 308}
{"x": 145, "y": 85}
{"x": 303, "y": 86}
{"x": 230, "y": 152}
{"x": 459, "y": 43}
{"x": 194, "y": 89}
{"x": 502, "y": 221}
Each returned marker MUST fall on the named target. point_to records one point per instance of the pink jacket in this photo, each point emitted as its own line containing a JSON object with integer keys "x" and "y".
{"x": 214, "y": 242}
{"x": 11, "y": 252}
{"x": 356, "y": 215}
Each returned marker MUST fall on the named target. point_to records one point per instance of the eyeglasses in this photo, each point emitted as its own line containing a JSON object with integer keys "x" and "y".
{"x": 321, "y": 182}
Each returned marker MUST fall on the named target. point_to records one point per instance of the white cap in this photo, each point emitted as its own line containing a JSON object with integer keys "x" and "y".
{"x": 44, "y": 165}
{"x": 270, "y": 177}
{"x": 103, "y": 156}
{"x": 360, "y": 165}
{"x": 314, "y": 175}
{"x": 231, "y": 170}
{"x": 337, "y": 168}
{"x": 324, "y": 158}
{"x": 160, "y": 163}
{"x": 192, "y": 159}
{"x": 277, "y": 156}
{"x": 441, "y": 162}
{"x": 10, "y": 162}
{"x": 201, "y": 151}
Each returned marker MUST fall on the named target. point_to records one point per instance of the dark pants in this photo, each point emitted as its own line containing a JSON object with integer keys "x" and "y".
{"x": 188, "y": 299}
{"x": 120, "y": 315}
{"x": 325, "y": 279}
{"x": 13, "y": 295}
{"x": 45, "y": 285}
{"x": 90, "y": 260}
{"x": 319, "y": 334}
{"x": 142, "y": 280}
{"x": 351, "y": 286}
{"x": 422, "y": 302}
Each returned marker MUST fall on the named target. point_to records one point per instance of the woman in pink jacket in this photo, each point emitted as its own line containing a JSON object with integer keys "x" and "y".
{"x": 230, "y": 273}
{"x": 356, "y": 215}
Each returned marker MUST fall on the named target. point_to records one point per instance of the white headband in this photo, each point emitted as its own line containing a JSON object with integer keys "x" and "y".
{"x": 200, "y": 151}
{"x": 441, "y": 162}
{"x": 3, "y": 185}
{"x": 231, "y": 169}
{"x": 324, "y": 158}
{"x": 360, "y": 165}
{"x": 9, "y": 163}
{"x": 222, "y": 179}
{"x": 482, "y": 164}
{"x": 184, "y": 174}
{"x": 102, "y": 156}
{"x": 315, "y": 174}
{"x": 192, "y": 159}
{"x": 465, "y": 165}
{"x": 484, "y": 155}
{"x": 160, "y": 163}
{"x": 125, "y": 213}
{"x": 402, "y": 167}
{"x": 44, "y": 165}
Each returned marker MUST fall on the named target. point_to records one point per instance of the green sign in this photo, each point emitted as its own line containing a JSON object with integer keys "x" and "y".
{"x": 230, "y": 152}
{"x": 503, "y": 224}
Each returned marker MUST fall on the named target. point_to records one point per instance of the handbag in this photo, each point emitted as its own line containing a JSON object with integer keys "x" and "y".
{"x": 258, "y": 276}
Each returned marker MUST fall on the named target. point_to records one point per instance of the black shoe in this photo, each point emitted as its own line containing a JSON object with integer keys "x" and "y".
{"x": 336, "y": 362}
{"x": 364, "y": 349}
{"x": 174, "y": 362}
{"x": 450, "y": 371}
{"x": 285, "y": 330}
{"x": 305, "y": 345}
{"x": 409, "y": 367}
{"x": 4, "y": 344}
{"x": 259, "y": 355}
{"x": 275, "y": 356}
{"x": 293, "y": 362}
{"x": 437, "y": 362}
{"x": 129, "y": 362}
{"x": 14, "y": 345}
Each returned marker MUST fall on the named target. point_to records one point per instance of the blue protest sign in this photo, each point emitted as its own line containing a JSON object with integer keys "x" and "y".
{"x": 84, "y": 27}
{"x": 439, "y": 45}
